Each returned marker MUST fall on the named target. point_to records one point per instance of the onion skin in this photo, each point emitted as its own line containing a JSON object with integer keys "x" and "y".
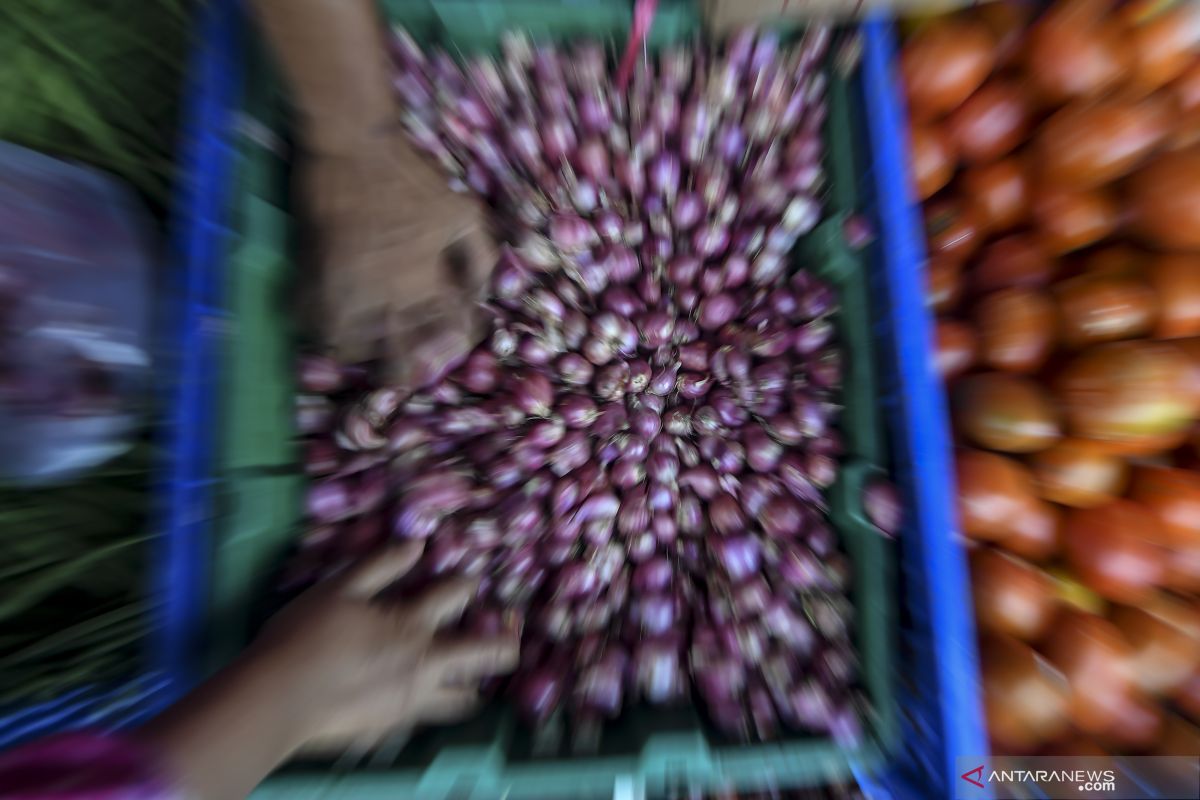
{"x": 1130, "y": 396}
{"x": 1011, "y": 597}
{"x": 1101, "y": 308}
{"x": 998, "y": 193}
{"x": 1036, "y": 535}
{"x": 991, "y": 122}
{"x": 1017, "y": 260}
{"x": 1079, "y": 473}
{"x": 632, "y": 466}
{"x": 1023, "y": 703}
{"x": 1165, "y": 201}
{"x": 1111, "y": 547}
{"x": 993, "y": 493}
{"x": 1173, "y": 497}
{"x": 1075, "y": 50}
{"x": 1095, "y": 661}
{"x": 933, "y": 159}
{"x": 1016, "y": 329}
{"x": 1166, "y": 651}
{"x": 943, "y": 64}
{"x": 1175, "y": 279}
{"x": 1085, "y": 145}
{"x": 1069, "y": 219}
{"x": 1006, "y": 413}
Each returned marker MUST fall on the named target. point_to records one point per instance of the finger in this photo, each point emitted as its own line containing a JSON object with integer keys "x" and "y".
{"x": 449, "y": 705}
{"x": 380, "y": 571}
{"x": 463, "y": 660}
{"x": 445, "y": 602}
{"x": 470, "y": 259}
{"x": 438, "y": 352}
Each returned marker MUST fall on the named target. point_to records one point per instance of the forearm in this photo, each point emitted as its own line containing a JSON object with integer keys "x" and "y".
{"x": 230, "y": 733}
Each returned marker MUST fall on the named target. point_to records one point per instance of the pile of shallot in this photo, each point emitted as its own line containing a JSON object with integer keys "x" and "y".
{"x": 634, "y": 462}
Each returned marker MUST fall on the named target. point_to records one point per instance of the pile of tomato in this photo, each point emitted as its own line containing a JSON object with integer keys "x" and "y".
{"x": 1056, "y": 151}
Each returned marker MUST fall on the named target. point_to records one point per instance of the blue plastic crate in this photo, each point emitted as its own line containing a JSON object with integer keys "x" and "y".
{"x": 938, "y": 685}
{"x": 190, "y": 325}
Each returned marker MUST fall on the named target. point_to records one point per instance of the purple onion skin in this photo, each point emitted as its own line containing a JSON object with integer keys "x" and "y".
{"x": 634, "y": 462}
{"x": 882, "y": 505}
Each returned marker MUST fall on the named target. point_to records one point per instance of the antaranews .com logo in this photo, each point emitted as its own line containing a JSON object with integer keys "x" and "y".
{"x": 1085, "y": 778}
{"x": 1088, "y": 780}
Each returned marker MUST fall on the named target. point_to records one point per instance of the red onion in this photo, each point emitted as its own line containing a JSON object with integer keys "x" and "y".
{"x": 329, "y": 501}
{"x": 598, "y": 506}
{"x": 762, "y": 452}
{"x": 881, "y": 502}
{"x": 319, "y": 374}
{"x": 782, "y": 516}
{"x": 598, "y": 351}
{"x": 683, "y": 269}
{"x": 621, "y": 264}
{"x": 612, "y": 418}
{"x": 533, "y": 393}
{"x": 655, "y": 328}
{"x": 570, "y": 454}
{"x": 628, "y": 472}
{"x": 664, "y": 528}
{"x": 741, "y": 555}
{"x": 608, "y": 224}
{"x": 313, "y": 414}
{"x": 320, "y": 457}
{"x": 574, "y": 370}
{"x": 663, "y": 174}
{"x": 717, "y": 310}
{"x": 611, "y": 381}
{"x": 595, "y": 464}
{"x": 622, "y": 301}
{"x": 577, "y": 411}
{"x": 634, "y": 515}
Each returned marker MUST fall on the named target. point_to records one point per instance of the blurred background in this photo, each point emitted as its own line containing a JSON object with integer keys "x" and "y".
{"x": 989, "y": 443}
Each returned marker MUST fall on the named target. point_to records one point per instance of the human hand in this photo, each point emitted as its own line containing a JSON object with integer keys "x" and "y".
{"x": 360, "y": 666}
{"x": 404, "y": 260}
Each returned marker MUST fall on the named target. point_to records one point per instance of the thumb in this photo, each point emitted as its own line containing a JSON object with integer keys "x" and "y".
{"x": 470, "y": 259}
{"x": 381, "y": 570}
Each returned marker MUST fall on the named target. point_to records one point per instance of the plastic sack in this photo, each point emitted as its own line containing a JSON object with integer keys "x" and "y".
{"x": 74, "y": 317}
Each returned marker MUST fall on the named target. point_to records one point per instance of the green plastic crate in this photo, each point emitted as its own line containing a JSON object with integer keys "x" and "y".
{"x": 492, "y": 756}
